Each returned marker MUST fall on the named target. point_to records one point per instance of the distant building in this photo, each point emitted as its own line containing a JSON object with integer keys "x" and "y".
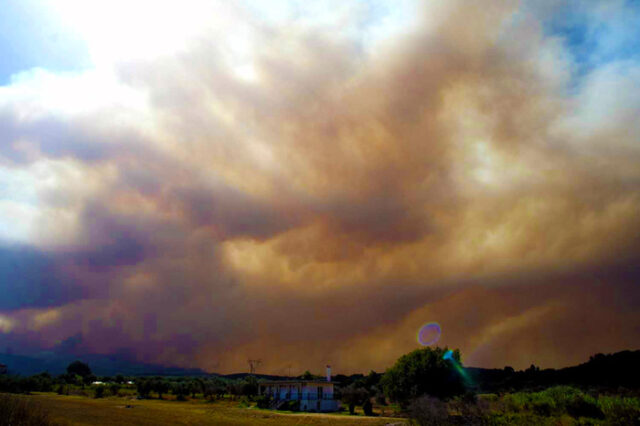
{"x": 3, "y": 369}
{"x": 313, "y": 395}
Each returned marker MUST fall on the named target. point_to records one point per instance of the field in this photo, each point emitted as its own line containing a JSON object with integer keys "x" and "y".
{"x": 560, "y": 405}
{"x": 78, "y": 410}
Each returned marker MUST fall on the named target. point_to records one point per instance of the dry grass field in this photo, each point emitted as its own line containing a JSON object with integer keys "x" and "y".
{"x": 77, "y": 410}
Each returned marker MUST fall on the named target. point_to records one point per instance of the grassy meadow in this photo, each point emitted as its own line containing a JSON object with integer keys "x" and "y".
{"x": 560, "y": 405}
{"x": 75, "y": 410}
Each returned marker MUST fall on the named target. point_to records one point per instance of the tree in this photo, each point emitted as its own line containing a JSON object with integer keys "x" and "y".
{"x": 88, "y": 379}
{"x": 250, "y": 386}
{"x": 353, "y": 395}
{"x": 367, "y": 407}
{"x": 143, "y": 387}
{"x": 195, "y": 386}
{"x": 307, "y": 375}
{"x": 160, "y": 386}
{"x": 214, "y": 387}
{"x": 80, "y": 368}
{"x": 423, "y": 372}
{"x": 371, "y": 380}
{"x": 181, "y": 390}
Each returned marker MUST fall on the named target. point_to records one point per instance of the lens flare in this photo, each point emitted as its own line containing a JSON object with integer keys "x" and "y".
{"x": 429, "y": 334}
{"x": 448, "y": 356}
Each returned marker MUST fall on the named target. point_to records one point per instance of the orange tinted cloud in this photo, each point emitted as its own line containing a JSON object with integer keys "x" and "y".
{"x": 324, "y": 211}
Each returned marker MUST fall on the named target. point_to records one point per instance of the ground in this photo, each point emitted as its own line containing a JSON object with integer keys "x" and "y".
{"x": 79, "y": 410}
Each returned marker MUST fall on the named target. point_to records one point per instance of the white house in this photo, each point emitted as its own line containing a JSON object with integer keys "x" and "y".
{"x": 313, "y": 395}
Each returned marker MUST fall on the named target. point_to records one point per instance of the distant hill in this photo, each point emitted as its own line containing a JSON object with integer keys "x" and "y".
{"x": 606, "y": 371}
{"x": 101, "y": 365}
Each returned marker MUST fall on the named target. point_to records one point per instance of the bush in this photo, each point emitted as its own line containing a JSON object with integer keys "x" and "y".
{"x": 16, "y": 410}
{"x": 290, "y": 406}
{"x": 515, "y": 402}
{"x": 559, "y": 400}
{"x": 244, "y": 402}
{"x": 429, "y": 411}
{"x": 98, "y": 391}
{"x": 114, "y": 388}
{"x": 263, "y": 401}
{"x": 584, "y": 406}
{"x": 620, "y": 411}
{"x": 470, "y": 409}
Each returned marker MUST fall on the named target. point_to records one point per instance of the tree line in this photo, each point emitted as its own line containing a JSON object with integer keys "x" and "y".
{"x": 79, "y": 376}
{"x": 433, "y": 372}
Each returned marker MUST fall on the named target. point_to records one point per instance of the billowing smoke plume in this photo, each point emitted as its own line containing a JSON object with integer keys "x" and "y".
{"x": 477, "y": 169}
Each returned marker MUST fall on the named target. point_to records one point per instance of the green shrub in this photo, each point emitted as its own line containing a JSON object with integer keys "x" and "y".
{"x": 98, "y": 391}
{"x": 515, "y": 402}
{"x": 584, "y": 406}
{"x": 543, "y": 406}
{"x": 571, "y": 401}
{"x": 244, "y": 402}
{"x": 469, "y": 409}
{"x": 620, "y": 411}
{"x": 556, "y": 401}
{"x": 291, "y": 406}
{"x": 114, "y": 388}
{"x": 263, "y": 401}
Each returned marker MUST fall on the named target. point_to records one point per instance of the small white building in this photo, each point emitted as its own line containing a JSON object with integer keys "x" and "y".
{"x": 313, "y": 395}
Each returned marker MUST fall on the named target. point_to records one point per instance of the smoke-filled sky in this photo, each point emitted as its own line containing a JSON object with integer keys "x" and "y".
{"x": 196, "y": 183}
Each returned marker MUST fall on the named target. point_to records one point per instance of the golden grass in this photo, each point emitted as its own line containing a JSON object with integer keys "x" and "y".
{"x": 76, "y": 410}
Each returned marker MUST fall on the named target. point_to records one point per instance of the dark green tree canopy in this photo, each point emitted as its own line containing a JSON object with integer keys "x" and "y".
{"x": 79, "y": 368}
{"x": 423, "y": 372}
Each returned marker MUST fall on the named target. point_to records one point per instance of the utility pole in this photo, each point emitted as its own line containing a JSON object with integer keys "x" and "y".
{"x": 253, "y": 364}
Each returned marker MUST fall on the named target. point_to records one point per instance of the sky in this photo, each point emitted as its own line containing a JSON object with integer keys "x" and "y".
{"x": 198, "y": 183}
